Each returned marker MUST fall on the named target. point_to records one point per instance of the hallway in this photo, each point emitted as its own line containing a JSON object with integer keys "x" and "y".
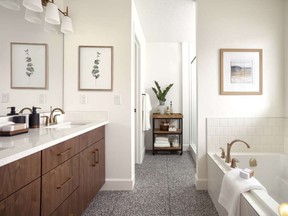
{"x": 165, "y": 185}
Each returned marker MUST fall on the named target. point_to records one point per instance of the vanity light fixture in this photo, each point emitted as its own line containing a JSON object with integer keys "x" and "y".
{"x": 11, "y": 4}
{"x": 33, "y": 14}
{"x": 52, "y": 14}
{"x": 33, "y": 5}
{"x": 66, "y": 26}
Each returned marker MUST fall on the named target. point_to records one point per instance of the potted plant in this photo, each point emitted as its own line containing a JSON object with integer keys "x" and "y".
{"x": 161, "y": 95}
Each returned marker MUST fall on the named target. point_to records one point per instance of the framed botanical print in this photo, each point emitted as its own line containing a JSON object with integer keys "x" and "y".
{"x": 96, "y": 68}
{"x": 28, "y": 66}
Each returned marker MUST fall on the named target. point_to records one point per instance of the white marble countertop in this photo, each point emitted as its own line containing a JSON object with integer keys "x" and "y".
{"x": 16, "y": 147}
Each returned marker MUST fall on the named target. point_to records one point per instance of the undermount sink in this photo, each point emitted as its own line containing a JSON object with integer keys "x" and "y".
{"x": 65, "y": 125}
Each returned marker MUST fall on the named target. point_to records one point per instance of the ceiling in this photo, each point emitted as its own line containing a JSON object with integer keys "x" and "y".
{"x": 167, "y": 20}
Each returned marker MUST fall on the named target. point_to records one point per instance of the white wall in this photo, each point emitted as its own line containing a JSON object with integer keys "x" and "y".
{"x": 237, "y": 24}
{"x": 99, "y": 23}
{"x": 15, "y": 29}
{"x": 163, "y": 64}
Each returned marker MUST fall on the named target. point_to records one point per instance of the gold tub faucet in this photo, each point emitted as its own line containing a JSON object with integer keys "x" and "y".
{"x": 234, "y": 162}
{"x": 222, "y": 153}
{"x": 229, "y": 146}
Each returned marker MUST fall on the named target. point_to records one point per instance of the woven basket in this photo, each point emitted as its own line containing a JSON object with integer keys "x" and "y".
{"x": 164, "y": 127}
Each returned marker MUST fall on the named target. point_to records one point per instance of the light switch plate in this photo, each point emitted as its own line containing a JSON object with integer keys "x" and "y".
{"x": 117, "y": 100}
{"x": 42, "y": 98}
{"x": 5, "y": 98}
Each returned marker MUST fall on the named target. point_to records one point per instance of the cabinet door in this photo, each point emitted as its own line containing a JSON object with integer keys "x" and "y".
{"x": 24, "y": 202}
{"x": 100, "y": 159}
{"x": 58, "y": 184}
{"x": 17, "y": 174}
{"x": 92, "y": 171}
{"x": 87, "y": 176}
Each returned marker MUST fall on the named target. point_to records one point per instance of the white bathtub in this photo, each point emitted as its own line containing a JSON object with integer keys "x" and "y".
{"x": 270, "y": 171}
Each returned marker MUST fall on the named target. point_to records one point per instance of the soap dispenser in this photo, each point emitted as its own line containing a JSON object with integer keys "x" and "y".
{"x": 34, "y": 118}
{"x": 12, "y": 111}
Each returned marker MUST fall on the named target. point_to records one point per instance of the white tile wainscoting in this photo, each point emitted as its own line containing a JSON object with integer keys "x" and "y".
{"x": 263, "y": 134}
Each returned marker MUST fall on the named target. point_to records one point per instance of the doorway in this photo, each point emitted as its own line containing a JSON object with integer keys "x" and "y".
{"x": 139, "y": 145}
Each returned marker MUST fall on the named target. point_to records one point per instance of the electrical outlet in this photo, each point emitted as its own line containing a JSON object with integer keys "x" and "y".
{"x": 42, "y": 98}
{"x": 83, "y": 99}
{"x": 5, "y": 98}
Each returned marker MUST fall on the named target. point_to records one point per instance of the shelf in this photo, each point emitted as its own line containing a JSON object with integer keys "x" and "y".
{"x": 165, "y": 116}
{"x": 158, "y": 118}
{"x": 158, "y": 131}
{"x": 167, "y": 148}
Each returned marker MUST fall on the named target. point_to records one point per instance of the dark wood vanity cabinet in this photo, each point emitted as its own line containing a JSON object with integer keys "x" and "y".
{"x": 58, "y": 184}
{"x": 60, "y": 174}
{"x": 59, "y": 181}
{"x": 20, "y": 187}
{"x": 92, "y": 174}
{"x": 68, "y": 188}
{"x": 92, "y": 171}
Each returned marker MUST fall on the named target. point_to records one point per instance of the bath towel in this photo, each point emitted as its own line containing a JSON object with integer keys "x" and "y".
{"x": 146, "y": 108}
{"x": 161, "y": 145}
{"x": 232, "y": 187}
{"x": 162, "y": 139}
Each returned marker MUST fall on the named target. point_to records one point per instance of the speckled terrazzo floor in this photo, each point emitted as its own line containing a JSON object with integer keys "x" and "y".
{"x": 165, "y": 185}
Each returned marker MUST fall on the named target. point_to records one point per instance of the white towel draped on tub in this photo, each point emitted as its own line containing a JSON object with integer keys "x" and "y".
{"x": 232, "y": 187}
{"x": 146, "y": 108}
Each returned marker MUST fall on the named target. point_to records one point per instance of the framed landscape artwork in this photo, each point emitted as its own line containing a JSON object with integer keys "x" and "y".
{"x": 96, "y": 68}
{"x": 241, "y": 71}
{"x": 28, "y": 66}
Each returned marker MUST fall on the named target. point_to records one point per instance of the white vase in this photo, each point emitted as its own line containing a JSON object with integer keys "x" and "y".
{"x": 162, "y": 109}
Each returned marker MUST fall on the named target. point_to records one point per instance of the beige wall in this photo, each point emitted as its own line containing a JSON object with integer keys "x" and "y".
{"x": 237, "y": 24}
{"x": 99, "y": 23}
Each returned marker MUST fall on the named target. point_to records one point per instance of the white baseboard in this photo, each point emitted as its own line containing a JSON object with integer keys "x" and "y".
{"x": 192, "y": 151}
{"x": 201, "y": 184}
{"x": 185, "y": 147}
{"x": 118, "y": 184}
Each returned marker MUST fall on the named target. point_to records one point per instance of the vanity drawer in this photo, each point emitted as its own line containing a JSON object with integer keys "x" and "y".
{"x": 59, "y": 153}
{"x": 91, "y": 137}
{"x": 70, "y": 207}
{"x": 24, "y": 202}
{"x": 17, "y": 174}
{"x": 58, "y": 184}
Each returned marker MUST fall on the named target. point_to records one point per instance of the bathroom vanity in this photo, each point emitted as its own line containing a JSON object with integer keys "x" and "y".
{"x": 52, "y": 171}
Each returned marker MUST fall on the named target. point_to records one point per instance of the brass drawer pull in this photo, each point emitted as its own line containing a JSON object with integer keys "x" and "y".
{"x": 94, "y": 161}
{"x": 95, "y": 157}
{"x": 69, "y": 179}
{"x": 59, "y": 154}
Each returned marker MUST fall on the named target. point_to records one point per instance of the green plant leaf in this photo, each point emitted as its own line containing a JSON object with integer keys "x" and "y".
{"x": 161, "y": 96}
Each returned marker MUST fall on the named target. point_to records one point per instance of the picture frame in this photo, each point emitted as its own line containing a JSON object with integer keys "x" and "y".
{"x": 95, "y": 68}
{"x": 241, "y": 72}
{"x": 28, "y": 66}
